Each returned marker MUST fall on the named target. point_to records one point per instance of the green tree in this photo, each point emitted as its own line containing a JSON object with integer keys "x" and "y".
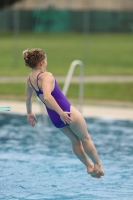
{"x": 5, "y": 3}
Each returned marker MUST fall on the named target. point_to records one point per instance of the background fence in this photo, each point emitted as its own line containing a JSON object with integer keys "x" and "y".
{"x": 68, "y": 20}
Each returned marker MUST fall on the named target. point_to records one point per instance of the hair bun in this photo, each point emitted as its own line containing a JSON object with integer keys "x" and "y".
{"x": 25, "y": 53}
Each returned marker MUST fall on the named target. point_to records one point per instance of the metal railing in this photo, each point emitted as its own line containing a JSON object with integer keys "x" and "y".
{"x": 81, "y": 81}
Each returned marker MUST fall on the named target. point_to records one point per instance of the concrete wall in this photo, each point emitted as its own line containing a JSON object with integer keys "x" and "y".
{"x": 120, "y": 5}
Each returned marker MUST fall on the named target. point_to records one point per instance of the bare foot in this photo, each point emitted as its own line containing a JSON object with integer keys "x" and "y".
{"x": 90, "y": 169}
{"x": 95, "y": 175}
{"x": 97, "y": 171}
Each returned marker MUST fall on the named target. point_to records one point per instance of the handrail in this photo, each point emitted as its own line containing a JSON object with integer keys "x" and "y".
{"x": 81, "y": 82}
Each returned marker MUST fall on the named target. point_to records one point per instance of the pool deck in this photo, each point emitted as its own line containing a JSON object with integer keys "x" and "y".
{"x": 94, "y": 111}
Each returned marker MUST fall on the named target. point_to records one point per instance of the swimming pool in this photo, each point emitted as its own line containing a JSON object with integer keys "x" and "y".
{"x": 38, "y": 163}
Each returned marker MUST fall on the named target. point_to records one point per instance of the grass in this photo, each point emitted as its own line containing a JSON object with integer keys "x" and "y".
{"x": 98, "y": 91}
{"x": 101, "y": 53}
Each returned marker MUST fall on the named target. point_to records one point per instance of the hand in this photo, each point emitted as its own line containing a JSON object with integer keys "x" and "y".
{"x": 65, "y": 117}
{"x": 31, "y": 119}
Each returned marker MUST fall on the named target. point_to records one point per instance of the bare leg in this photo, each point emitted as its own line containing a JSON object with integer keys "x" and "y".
{"x": 78, "y": 148}
{"x": 79, "y": 128}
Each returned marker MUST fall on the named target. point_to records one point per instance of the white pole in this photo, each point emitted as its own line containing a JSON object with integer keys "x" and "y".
{"x": 81, "y": 82}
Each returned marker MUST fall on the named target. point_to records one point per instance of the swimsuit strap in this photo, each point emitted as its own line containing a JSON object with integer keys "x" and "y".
{"x": 31, "y": 83}
{"x": 37, "y": 80}
{"x": 39, "y": 91}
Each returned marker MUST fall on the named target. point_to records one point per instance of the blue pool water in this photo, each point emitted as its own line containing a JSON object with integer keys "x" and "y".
{"x": 38, "y": 163}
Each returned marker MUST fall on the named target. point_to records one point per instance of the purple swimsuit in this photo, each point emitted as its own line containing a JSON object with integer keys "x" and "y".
{"x": 60, "y": 99}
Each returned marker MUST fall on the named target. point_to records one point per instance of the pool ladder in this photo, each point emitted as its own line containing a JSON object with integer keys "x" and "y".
{"x": 68, "y": 81}
{"x": 81, "y": 81}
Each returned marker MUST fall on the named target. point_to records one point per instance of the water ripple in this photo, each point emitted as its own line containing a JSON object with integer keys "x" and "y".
{"x": 38, "y": 163}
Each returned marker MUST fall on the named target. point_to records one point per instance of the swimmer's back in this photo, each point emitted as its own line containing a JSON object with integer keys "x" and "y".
{"x": 59, "y": 98}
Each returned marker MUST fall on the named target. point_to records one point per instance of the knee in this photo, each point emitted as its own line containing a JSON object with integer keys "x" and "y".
{"x": 86, "y": 139}
{"x": 76, "y": 142}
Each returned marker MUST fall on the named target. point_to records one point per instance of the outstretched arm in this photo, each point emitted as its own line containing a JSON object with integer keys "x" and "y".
{"x": 31, "y": 117}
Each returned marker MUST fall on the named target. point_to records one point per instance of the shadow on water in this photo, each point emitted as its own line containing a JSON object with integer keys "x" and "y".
{"x": 38, "y": 163}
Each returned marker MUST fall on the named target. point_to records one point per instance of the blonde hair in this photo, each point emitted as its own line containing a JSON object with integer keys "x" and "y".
{"x": 33, "y": 56}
